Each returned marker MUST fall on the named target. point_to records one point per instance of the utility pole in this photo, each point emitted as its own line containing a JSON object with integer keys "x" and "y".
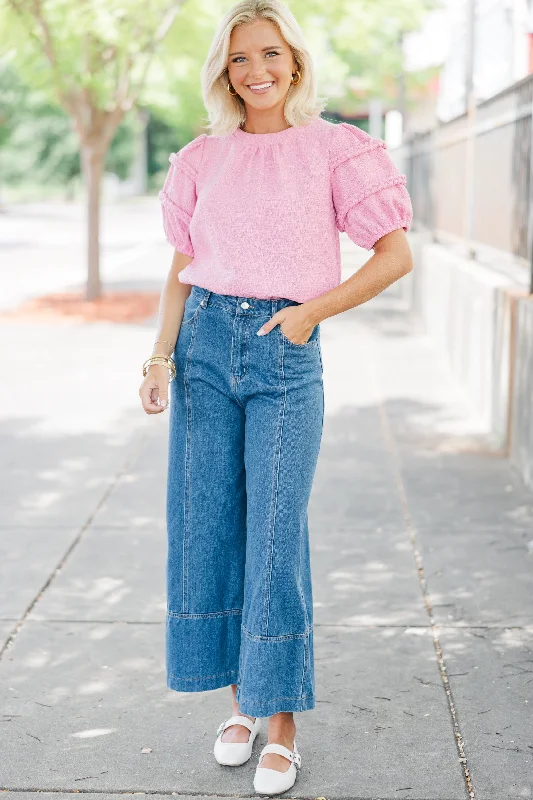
{"x": 402, "y": 103}
{"x": 530, "y": 208}
{"x": 375, "y": 117}
{"x": 470, "y": 141}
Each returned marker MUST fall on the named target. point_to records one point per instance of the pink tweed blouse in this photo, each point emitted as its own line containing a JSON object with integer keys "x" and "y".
{"x": 260, "y": 213}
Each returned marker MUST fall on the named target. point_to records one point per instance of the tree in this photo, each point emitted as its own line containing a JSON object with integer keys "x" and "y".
{"x": 93, "y": 58}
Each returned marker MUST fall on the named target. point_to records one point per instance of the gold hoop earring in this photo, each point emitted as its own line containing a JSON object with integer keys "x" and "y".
{"x": 231, "y": 93}
{"x": 299, "y": 77}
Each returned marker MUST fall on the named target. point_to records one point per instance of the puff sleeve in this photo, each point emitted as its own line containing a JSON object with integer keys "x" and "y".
{"x": 369, "y": 194}
{"x": 178, "y": 195}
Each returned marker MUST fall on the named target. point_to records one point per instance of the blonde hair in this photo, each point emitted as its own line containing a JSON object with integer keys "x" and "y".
{"x": 227, "y": 112}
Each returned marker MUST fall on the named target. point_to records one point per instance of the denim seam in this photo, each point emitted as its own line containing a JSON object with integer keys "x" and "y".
{"x": 280, "y": 638}
{"x": 208, "y": 614}
{"x": 232, "y": 378}
{"x": 300, "y": 589}
{"x": 186, "y": 488}
{"x": 272, "y": 699}
{"x": 246, "y": 338}
{"x": 294, "y": 344}
{"x": 274, "y": 500}
{"x": 240, "y": 667}
{"x": 202, "y": 677}
{"x": 228, "y": 309}
{"x": 304, "y": 669}
{"x": 190, "y": 320}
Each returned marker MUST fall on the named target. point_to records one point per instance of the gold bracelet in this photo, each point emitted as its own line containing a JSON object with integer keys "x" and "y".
{"x": 164, "y": 340}
{"x": 172, "y": 372}
{"x": 150, "y": 361}
{"x": 160, "y": 359}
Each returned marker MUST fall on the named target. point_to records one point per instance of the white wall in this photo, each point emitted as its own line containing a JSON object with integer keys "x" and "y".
{"x": 467, "y": 309}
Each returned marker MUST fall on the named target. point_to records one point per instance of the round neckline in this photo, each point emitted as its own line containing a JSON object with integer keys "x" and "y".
{"x": 268, "y": 138}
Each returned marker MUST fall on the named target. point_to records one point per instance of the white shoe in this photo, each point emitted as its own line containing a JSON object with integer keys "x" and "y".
{"x": 271, "y": 781}
{"x": 233, "y": 754}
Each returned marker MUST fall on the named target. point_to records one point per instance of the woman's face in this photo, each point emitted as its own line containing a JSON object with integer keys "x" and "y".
{"x": 259, "y": 55}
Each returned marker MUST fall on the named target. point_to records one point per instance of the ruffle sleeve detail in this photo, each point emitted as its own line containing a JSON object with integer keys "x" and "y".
{"x": 178, "y": 195}
{"x": 369, "y": 193}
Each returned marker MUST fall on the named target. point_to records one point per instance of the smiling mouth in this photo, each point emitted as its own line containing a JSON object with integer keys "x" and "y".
{"x": 259, "y": 88}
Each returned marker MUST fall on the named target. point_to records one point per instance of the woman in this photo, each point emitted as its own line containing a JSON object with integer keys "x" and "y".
{"x": 254, "y": 211}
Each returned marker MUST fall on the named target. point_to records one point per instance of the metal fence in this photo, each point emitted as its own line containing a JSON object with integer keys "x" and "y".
{"x": 493, "y": 209}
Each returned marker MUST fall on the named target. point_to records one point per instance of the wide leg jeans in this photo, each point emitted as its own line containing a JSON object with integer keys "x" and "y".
{"x": 245, "y": 425}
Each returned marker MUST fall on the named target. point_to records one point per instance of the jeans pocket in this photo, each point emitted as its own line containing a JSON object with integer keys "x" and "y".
{"x": 192, "y": 306}
{"x": 311, "y": 341}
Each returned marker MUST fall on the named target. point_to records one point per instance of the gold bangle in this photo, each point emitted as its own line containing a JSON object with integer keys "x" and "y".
{"x": 157, "y": 360}
{"x": 169, "y": 362}
{"x": 159, "y": 355}
{"x": 172, "y": 373}
{"x": 160, "y": 360}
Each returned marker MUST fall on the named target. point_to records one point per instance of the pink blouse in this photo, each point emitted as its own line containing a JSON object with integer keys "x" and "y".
{"x": 260, "y": 213}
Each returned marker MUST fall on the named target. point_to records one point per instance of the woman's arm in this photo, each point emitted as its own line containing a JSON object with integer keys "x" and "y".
{"x": 154, "y": 388}
{"x": 171, "y": 306}
{"x": 392, "y": 260}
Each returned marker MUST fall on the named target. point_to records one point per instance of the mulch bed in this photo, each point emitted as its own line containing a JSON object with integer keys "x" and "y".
{"x": 121, "y": 307}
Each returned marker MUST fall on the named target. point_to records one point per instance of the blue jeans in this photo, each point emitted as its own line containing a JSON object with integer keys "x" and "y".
{"x": 245, "y": 424}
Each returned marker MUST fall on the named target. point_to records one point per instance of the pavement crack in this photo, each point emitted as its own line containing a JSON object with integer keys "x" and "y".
{"x": 128, "y": 461}
{"x": 395, "y": 465}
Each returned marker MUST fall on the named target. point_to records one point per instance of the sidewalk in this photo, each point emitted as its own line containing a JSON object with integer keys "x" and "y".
{"x": 422, "y": 549}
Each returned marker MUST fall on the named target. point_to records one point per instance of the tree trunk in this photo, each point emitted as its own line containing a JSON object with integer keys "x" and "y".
{"x": 93, "y": 167}
{"x": 139, "y": 169}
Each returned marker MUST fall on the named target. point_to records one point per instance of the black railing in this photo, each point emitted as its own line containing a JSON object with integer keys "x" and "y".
{"x": 496, "y": 211}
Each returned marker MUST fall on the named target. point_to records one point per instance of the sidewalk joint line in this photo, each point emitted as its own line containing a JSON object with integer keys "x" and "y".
{"x": 392, "y": 451}
{"x": 128, "y": 462}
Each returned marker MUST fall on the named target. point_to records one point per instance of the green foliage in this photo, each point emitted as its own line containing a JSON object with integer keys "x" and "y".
{"x": 12, "y": 91}
{"x": 39, "y": 141}
{"x": 355, "y": 45}
{"x": 94, "y": 44}
{"x": 162, "y": 140}
{"x": 120, "y": 155}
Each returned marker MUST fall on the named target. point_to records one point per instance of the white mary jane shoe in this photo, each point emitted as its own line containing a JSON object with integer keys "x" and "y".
{"x": 232, "y": 754}
{"x": 270, "y": 781}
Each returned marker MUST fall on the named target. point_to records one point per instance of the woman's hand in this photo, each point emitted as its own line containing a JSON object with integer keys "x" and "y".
{"x": 298, "y": 325}
{"x": 154, "y": 389}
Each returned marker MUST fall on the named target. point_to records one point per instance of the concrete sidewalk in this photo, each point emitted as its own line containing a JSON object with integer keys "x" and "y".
{"x": 422, "y": 548}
